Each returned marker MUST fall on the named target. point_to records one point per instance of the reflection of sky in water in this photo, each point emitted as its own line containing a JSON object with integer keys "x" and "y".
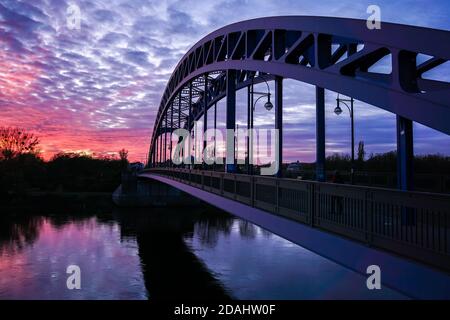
{"x": 110, "y": 269}
{"x": 255, "y": 264}
{"x": 249, "y": 261}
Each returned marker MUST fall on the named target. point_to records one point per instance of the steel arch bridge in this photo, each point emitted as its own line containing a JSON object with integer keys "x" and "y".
{"x": 329, "y": 53}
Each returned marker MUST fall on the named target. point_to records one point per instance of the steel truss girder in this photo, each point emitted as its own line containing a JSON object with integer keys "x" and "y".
{"x": 313, "y": 50}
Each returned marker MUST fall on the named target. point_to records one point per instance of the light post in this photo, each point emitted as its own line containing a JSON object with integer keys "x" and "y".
{"x": 252, "y": 106}
{"x": 338, "y": 111}
{"x": 268, "y": 105}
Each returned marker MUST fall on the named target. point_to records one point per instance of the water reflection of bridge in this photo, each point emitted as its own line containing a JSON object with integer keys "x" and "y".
{"x": 171, "y": 270}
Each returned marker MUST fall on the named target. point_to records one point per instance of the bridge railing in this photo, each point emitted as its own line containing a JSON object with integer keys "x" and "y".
{"x": 412, "y": 224}
{"x": 439, "y": 183}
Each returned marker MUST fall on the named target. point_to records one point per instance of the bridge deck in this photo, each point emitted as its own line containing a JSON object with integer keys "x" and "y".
{"x": 411, "y": 278}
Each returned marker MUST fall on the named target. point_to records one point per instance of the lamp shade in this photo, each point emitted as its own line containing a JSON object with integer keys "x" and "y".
{"x": 268, "y": 105}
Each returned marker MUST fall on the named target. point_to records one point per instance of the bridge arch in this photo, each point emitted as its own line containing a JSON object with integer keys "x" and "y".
{"x": 331, "y": 53}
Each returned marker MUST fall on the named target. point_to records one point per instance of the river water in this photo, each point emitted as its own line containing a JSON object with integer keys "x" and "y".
{"x": 171, "y": 253}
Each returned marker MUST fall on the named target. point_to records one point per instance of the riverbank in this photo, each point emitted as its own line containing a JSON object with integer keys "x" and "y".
{"x": 38, "y": 201}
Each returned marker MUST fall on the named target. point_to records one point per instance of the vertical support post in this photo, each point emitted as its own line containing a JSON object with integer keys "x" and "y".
{"x": 165, "y": 139}
{"x": 249, "y": 106}
{"x": 352, "y": 173}
{"x": 195, "y": 141}
{"x": 160, "y": 149}
{"x": 231, "y": 121}
{"x": 160, "y": 146}
{"x": 171, "y": 131}
{"x": 251, "y": 138}
{"x": 405, "y": 159}
{"x": 179, "y": 110}
{"x": 205, "y": 119}
{"x": 179, "y": 125}
{"x": 320, "y": 134}
{"x": 190, "y": 126}
{"x": 405, "y": 153}
{"x": 215, "y": 136}
{"x": 279, "y": 124}
{"x": 153, "y": 157}
{"x": 351, "y": 49}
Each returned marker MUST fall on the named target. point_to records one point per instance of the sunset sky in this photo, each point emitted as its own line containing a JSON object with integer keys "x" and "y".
{"x": 97, "y": 89}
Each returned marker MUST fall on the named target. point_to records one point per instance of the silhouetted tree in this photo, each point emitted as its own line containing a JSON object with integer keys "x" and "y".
{"x": 16, "y": 141}
{"x": 361, "y": 151}
{"x": 383, "y": 162}
{"x": 123, "y": 154}
{"x": 82, "y": 172}
{"x": 338, "y": 161}
{"x": 361, "y": 154}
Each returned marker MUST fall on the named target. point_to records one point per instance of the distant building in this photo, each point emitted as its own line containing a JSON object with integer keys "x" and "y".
{"x": 294, "y": 167}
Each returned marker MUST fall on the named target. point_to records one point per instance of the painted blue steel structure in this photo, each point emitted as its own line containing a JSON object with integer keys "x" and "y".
{"x": 330, "y": 53}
